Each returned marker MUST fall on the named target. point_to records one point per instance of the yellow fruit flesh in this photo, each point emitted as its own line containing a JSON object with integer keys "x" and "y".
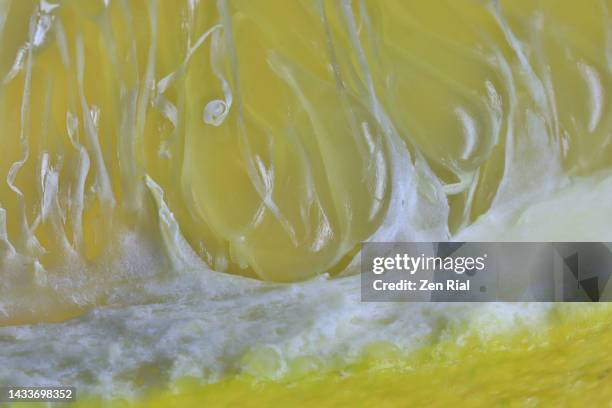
{"x": 293, "y": 167}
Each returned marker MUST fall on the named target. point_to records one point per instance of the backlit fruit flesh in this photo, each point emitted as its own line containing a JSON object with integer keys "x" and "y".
{"x": 281, "y": 135}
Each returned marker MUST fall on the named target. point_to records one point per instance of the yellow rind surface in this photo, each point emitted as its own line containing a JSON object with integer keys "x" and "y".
{"x": 567, "y": 363}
